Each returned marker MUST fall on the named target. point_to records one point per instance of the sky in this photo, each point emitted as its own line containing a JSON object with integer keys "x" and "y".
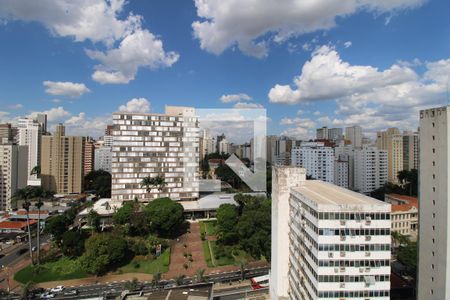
{"x": 335, "y": 63}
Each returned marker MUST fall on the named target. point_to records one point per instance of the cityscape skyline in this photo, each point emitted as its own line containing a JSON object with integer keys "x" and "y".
{"x": 84, "y": 100}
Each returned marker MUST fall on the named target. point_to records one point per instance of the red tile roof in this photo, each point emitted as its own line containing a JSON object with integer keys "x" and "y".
{"x": 32, "y": 212}
{"x": 15, "y": 224}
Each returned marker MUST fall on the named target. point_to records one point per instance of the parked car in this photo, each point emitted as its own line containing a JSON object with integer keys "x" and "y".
{"x": 57, "y": 289}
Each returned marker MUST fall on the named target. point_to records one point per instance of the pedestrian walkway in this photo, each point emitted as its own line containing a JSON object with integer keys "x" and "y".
{"x": 7, "y": 275}
{"x": 177, "y": 259}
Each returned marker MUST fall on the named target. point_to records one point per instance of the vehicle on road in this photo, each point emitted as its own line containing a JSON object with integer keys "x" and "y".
{"x": 21, "y": 251}
{"x": 57, "y": 289}
{"x": 71, "y": 292}
{"x": 33, "y": 249}
{"x": 47, "y": 295}
{"x": 260, "y": 282}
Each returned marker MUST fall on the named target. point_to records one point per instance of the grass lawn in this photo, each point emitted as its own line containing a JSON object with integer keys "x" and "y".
{"x": 234, "y": 259}
{"x": 210, "y": 227}
{"x": 61, "y": 269}
{"x": 207, "y": 254}
{"x": 141, "y": 265}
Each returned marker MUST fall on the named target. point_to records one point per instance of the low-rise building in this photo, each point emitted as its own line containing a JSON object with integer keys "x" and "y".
{"x": 404, "y": 214}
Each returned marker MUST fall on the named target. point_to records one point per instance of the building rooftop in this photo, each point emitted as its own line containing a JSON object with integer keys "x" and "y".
{"x": 323, "y": 193}
{"x": 15, "y": 224}
{"x": 212, "y": 201}
{"x": 104, "y": 207}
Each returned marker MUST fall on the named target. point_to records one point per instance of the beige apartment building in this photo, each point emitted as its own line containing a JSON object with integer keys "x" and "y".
{"x": 62, "y": 162}
{"x": 155, "y": 145}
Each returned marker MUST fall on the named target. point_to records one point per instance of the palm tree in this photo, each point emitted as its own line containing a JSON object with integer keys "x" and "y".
{"x": 36, "y": 171}
{"x": 179, "y": 280}
{"x": 242, "y": 268}
{"x": 39, "y": 204}
{"x": 200, "y": 275}
{"x": 156, "y": 278}
{"x": 26, "y": 205}
{"x": 148, "y": 182}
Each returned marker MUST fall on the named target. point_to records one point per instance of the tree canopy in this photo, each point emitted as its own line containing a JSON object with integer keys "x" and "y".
{"x": 166, "y": 217}
{"x": 100, "y": 182}
{"x": 103, "y": 251}
{"x": 73, "y": 243}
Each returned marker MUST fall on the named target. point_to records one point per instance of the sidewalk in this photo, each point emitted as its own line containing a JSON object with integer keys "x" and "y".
{"x": 11, "y": 271}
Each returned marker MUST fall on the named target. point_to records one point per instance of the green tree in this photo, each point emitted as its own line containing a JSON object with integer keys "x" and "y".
{"x": 227, "y": 218}
{"x": 156, "y": 279}
{"x": 179, "y": 280}
{"x": 200, "y": 276}
{"x": 100, "y": 181}
{"x": 153, "y": 182}
{"x": 407, "y": 255}
{"x": 124, "y": 215}
{"x": 103, "y": 251}
{"x": 166, "y": 217}
{"x": 93, "y": 220}
{"x": 73, "y": 243}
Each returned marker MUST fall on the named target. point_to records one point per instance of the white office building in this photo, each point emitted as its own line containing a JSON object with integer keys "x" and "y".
{"x": 434, "y": 205}
{"x": 103, "y": 159}
{"x": 327, "y": 242}
{"x": 155, "y": 145}
{"x": 30, "y": 135}
{"x": 317, "y": 159}
{"x": 371, "y": 169}
{"x": 354, "y": 135}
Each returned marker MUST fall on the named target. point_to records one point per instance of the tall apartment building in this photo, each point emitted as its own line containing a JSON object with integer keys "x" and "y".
{"x": 103, "y": 159}
{"x": 206, "y": 144}
{"x": 434, "y": 209}
{"x": 322, "y": 133}
{"x": 6, "y": 133}
{"x": 410, "y": 151}
{"x": 317, "y": 159}
{"x": 89, "y": 156}
{"x": 354, "y": 135}
{"x": 270, "y": 148}
{"x": 347, "y": 152}
{"x": 30, "y": 135}
{"x": 13, "y": 172}
{"x": 62, "y": 162}
{"x": 371, "y": 169}
{"x": 391, "y": 140}
{"x": 154, "y": 145}
{"x": 341, "y": 171}
{"x": 327, "y": 242}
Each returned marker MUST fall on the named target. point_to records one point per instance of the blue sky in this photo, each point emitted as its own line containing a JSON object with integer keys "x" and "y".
{"x": 373, "y": 63}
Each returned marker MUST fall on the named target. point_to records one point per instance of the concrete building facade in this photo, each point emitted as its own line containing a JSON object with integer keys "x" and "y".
{"x": 371, "y": 169}
{"x": 30, "y": 135}
{"x": 327, "y": 242}
{"x": 13, "y": 172}
{"x": 317, "y": 159}
{"x": 103, "y": 159}
{"x": 354, "y": 135}
{"x": 62, "y": 162}
{"x": 152, "y": 145}
{"x": 434, "y": 209}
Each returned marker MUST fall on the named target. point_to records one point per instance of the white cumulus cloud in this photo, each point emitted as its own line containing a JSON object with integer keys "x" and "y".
{"x": 65, "y": 88}
{"x": 136, "y": 105}
{"x": 252, "y": 24}
{"x": 99, "y": 21}
{"x": 235, "y": 97}
{"x": 247, "y": 105}
{"x": 56, "y": 114}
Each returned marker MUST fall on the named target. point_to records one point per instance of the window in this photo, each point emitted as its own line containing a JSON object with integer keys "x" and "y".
{"x": 432, "y": 266}
{"x": 433, "y": 124}
{"x": 433, "y": 137}
{"x": 434, "y": 150}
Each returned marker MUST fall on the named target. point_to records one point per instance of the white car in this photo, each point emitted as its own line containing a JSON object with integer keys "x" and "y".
{"x": 57, "y": 289}
{"x": 47, "y": 295}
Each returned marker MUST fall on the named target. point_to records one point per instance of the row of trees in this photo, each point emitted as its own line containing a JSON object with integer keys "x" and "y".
{"x": 28, "y": 196}
{"x": 246, "y": 225}
{"x": 408, "y": 185}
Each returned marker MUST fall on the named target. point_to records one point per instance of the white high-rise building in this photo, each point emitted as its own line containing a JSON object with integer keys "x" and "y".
{"x": 152, "y": 145}
{"x": 354, "y": 135}
{"x": 13, "y": 172}
{"x": 206, "y": 144}
{"x": 103, "y": 159}
{"x": 327, "y": 242}
{"x": 410, "y": 151}
{"x": 434, "y": 205}
{"x": 347, "y": 152}
{"x": 341, "y": 171}
{"x": 317, "y": 159}
{"x": 371, "y": 169}
{"x": 322, "y": 133}
{"x": 30, "y": 135}
{"x": 335, "y": 134}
